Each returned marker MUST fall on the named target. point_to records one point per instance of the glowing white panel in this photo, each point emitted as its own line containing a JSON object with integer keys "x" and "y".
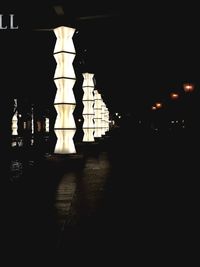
{"x": 88, "y": 109}
{"x": 65, "y": 144}
{"x": 64, "y": 68}
{"x": 64, "y": 119}
{"x": 14, "y": 124}
{"x": 88, "y": 135}
{"x": 47, "y": 125}
{"x": 32, "y": 121}
{"x": 88, "y": 121}
{"x": 106, "y": 116}
{"x": 64, "y": 92}
{"x": 64, "y": 78}
{"x": 15, "y": 120}
{"x": 88, "y": 80}
{"x": 97, "y": 114}
{"x": 64, "y": 40}
{"x": 103, "y": 119}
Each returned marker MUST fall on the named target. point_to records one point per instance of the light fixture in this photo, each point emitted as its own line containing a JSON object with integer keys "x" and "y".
{"x": 188, "y": 87}
{"x": 32, "y": 121}
{"x": 88, "y": 110}
{"x": 103, "y": 118}
{"x": 64, "y": 78}
{"x": 158, "y": 105}
{"x": 47, "y": 125}
{"x": 153, "y": 108}
{"x": 174, "y": 96}
{"x": 107, "y": 119}
{"x": 15, "y": 119}
{"x": 97, "y": 114}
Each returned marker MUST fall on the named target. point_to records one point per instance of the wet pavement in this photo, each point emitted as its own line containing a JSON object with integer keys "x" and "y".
{"x": 120, "y": 202}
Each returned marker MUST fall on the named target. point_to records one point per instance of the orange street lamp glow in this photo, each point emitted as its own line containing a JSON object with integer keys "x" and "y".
{"x": 158, "y": 105}
{"x": 188, "y": 87}
{"x": 174, "y": 95}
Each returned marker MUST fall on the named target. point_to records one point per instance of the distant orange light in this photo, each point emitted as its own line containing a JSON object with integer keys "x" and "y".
{"x": 174, "y": 95}
{"x": 188, "y": 87}
{"x": 159, "y": 105}
{"x": 153, "y": 108}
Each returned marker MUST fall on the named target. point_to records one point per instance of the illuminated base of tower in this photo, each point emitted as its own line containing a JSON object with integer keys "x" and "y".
{"x": 65, "y": 142}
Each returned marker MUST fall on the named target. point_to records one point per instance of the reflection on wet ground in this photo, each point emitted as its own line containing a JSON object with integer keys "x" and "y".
{"x": 104, "y": 205}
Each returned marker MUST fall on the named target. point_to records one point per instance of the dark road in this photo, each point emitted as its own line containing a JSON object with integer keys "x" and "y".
{"x": 105, "y": 205}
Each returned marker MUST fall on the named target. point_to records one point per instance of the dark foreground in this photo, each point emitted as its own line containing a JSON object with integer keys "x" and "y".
{"x": 133, "y": 199}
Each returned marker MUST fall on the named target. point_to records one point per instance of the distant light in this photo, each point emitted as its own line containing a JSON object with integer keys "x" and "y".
{"x": 20, "y": 115}
{"x": 183, "y": 121}
{"x": 188, "y": 87}
{"x": 153, "y": 108}
{"x": 119, "y": 116}
{"x": 172, "y": 121}
{"x": 140, "y": 121}
{"x": 79, "y": 120}
{"x": 176, "y": 121}
{"x": 159, "y": 105}
{"x": 174, "y": 95}
{"x": 183, "y": 126}
{"x": 88, "y": 111}
{"x": 116, "y": 113}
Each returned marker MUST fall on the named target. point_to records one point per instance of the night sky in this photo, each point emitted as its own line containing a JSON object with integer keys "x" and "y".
{"x": 137, "y": 53}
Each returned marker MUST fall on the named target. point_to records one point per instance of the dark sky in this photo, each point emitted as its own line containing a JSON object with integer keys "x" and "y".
{"x": 136, "y": 52}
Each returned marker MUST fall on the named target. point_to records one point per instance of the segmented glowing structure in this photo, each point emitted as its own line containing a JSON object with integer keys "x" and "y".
{"x": 64, "y": 78}
{"x": 88, "y": 110}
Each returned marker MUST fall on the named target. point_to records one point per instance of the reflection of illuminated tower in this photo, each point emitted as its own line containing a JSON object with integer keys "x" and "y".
{"x": 97, "y": 114}
{"x": 15, "y": 119}
{"x": 88, "y": 110}
{"x": 64, "y": 79}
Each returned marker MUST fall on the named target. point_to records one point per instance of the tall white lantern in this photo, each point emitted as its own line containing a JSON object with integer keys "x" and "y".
{"x": 32, "y": 121}
{"x": 88, "y": 110}
{"x": 103, "y": 118}
{"x": 107, "y": 118}
{"x": 15, "y": 119}
{"x": 97, "y": 114}
{"x": 64, "y": 78}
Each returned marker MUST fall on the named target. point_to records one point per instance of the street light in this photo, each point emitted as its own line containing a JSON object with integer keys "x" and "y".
{"x": 188, "y": 87}
{"x": 158, "y": 105}
{"x": 174, "y": 96}
{"x": 153, "y": 108}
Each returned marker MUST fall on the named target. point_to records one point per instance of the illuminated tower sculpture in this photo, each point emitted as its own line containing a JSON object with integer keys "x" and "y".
{"x": 103, "y": 118}
{"x": 15, "y": 119}
{"x": 97, "y": 114}
{"x": 32, "y": 121}
{"x": 106, "y": 116}
{"x": 88, "y": 110}
{"x": 64, "y": 78}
